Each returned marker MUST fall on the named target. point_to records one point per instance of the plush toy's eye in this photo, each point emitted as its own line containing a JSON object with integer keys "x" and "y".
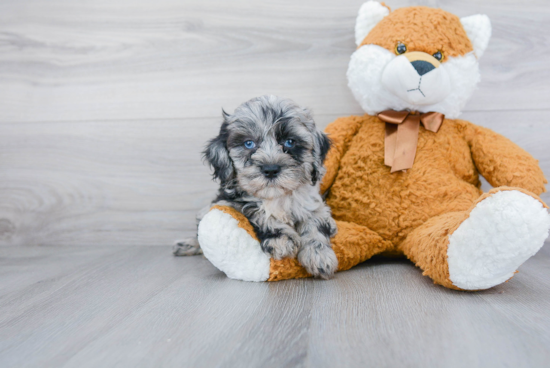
{"x": 400, "y": 48}
{"x": 249, "y": 144}
{"x": 289, "y": 143}
{"x": 438, "y": 55}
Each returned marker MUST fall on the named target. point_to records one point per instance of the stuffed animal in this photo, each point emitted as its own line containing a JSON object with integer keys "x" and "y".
{"x": 403, "y": 179}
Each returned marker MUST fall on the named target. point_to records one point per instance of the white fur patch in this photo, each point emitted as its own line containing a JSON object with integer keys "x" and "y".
{"x": 502, "y": 232}
{"x": 368, "y": 64}
{"x": 231, "y": 249}
{"x": 478, "y": 29}
{"x": 368, "y": 17}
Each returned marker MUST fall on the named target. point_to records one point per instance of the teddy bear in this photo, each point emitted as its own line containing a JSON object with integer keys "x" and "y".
{"x": 403, "y": 179}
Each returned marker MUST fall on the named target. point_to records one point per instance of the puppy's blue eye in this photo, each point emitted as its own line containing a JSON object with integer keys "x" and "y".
{"x": 289, "y": 143}
{"x": 249, "y": 144}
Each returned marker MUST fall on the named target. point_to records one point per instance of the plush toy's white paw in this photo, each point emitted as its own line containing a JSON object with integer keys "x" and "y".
{"x": 231, "y": 249}
{"x": 502, "y": 232}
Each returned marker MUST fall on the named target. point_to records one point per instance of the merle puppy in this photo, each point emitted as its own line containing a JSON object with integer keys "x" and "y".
{"x": 269, "y": 158}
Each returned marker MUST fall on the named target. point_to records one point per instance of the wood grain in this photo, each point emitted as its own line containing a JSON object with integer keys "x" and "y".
{"x": 104, "y": 109}
{"x": 137, "y": 306}
{"x": 105, "y": 106}
{"x": 139, "y": 182}
{"x": 107, "y": 60}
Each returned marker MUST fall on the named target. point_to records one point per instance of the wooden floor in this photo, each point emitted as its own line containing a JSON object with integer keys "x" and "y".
{"x": 136, "y": 306}
{"x": 104, "y": 109}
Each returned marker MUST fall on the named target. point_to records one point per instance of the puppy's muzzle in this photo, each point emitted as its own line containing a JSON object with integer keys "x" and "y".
{"x": 271, "y": 171}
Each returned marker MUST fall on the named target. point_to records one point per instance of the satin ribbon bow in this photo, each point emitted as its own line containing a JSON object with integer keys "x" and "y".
{"x": 402, "y": 135}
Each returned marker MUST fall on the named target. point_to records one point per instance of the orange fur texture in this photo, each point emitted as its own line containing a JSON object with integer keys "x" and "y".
{"x": 419, "y": 28}
{"x": 417, "y": 210}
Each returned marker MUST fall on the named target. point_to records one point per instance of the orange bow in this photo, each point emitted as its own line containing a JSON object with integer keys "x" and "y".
{"x": 402, "y": 135}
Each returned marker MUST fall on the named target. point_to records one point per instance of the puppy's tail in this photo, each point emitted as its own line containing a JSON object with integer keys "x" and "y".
{"x": 187, "y": 247}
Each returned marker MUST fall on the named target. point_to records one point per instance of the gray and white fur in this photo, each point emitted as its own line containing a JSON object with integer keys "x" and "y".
{"x": 269, "y": 158}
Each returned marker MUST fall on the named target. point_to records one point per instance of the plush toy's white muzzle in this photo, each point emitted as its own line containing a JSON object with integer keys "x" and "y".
{"x": 380, "y": 80}
{"x": 417, "y": 79}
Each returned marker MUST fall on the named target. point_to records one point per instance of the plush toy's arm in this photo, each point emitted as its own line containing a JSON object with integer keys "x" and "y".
{"x": 340, "y": 132}
{"x": 502, "y": 162}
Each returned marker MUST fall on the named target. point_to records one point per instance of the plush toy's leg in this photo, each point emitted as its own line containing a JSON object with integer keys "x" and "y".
{"x": 228, "y": 241}
{"x": 352, "y": 245}
{"x": 482, "y": 247}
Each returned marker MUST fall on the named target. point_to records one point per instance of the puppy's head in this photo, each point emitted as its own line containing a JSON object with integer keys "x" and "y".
{"x": 268, "y": 147}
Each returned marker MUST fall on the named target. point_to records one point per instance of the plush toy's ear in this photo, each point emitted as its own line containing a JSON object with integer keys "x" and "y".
{"x": 369, "y": 15}
{"x": 478, "y": 29}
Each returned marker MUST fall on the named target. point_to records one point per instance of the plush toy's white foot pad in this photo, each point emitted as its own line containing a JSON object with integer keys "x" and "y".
{"x": 502, "y": 232}
{"x": 231, "y": 249}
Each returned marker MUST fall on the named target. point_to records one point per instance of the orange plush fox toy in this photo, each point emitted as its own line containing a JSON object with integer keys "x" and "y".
{"x": 404, "y": 177}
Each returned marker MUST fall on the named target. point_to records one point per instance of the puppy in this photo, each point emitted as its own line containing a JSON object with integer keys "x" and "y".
{"x": 269, "y": 158}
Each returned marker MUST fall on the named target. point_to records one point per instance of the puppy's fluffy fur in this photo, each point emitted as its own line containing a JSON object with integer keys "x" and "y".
{"x": 269, "y": 158}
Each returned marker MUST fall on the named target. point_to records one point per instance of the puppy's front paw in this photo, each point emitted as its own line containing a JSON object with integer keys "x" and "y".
{"x": 318, "y": 259}
{"x": 187, "y": 247}
{"x": 280, "y": 247}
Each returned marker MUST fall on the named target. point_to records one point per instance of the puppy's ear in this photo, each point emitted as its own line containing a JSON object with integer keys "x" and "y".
{"x": 217, "y": 154}
{"x": 324, "y": 145}
{"x": 321, "y": 146}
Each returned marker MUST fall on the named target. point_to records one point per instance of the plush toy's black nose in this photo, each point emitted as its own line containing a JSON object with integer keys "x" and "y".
{"x": 270, "y": 171}
{"x": 422, "y": 67}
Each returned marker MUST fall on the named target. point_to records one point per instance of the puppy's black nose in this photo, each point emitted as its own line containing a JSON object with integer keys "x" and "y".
{"x": 422, "y": 67}
{"x": 270, "y": 171}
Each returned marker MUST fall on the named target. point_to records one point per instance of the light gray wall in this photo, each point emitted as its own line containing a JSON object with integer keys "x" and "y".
{"x": 105, "y": 105}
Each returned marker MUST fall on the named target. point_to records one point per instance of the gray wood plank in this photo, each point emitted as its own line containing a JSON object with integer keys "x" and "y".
{"x": 107, "y": 60}
{"x": 140, "y": 182}
{"x": 138, "y": 306}
{"x": 105, "y": 106}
